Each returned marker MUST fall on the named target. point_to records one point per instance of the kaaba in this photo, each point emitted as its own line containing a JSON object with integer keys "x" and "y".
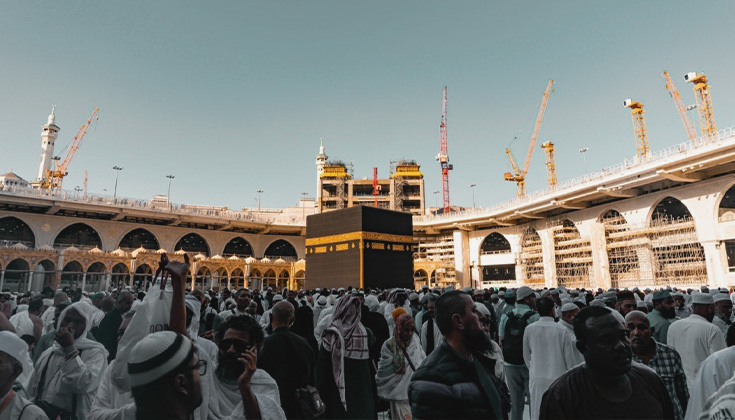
{"x": 361, "y": 247}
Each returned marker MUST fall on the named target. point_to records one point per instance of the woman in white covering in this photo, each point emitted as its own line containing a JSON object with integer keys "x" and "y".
{"x": 68, "y": 373}
{"x": 400, "y": 356}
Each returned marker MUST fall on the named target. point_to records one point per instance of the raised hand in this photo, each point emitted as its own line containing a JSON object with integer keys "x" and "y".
{"x": 64, "y": 336}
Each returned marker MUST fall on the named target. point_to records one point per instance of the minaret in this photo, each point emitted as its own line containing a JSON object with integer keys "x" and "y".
{"x": 49, "y": 132}
{"x": 321, "y": 160}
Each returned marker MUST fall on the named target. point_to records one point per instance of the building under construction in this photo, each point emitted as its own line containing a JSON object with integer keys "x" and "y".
{"x": 338, "y": 189}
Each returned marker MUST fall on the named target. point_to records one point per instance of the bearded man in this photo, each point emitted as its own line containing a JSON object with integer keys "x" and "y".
{"x": 663, "y": 314}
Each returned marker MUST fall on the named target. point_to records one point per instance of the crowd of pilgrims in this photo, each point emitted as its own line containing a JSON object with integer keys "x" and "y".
{"x": 433, "y": 353}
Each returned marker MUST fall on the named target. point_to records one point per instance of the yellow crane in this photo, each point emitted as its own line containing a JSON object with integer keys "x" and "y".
{"x": 639, "y": 126}
{"x": 55, "y": 178}
{"x": 680, "y": 107}
{"x": 704, "y": 103}
{"x": 519, "y": 176}
{"x": 550, "y": 165}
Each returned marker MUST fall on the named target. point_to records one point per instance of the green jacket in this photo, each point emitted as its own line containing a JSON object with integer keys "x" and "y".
{"x": 448, "y": 386}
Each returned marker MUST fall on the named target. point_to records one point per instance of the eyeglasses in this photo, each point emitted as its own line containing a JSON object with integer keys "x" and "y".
{"x": 241, "y": 346}
{"x": 201, "y": 366}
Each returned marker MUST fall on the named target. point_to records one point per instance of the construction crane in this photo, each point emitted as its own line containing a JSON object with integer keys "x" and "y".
{"x": 519, "y": 176}
{"x": 704, "y": 103}
{"x": 443, "y": 156}
{"x": 376, "y": 187}
{"x": 54, "y": 179}
{"x": 550, "y": 165}
{"x": 639, "y": 126}
{"x": 680, "y": 107}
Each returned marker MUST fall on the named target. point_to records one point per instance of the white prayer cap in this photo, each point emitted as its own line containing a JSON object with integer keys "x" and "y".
{"x": 702, "y": 299}
{"x": 16, "y": 348}
{"x": 501, "y": 293}
{"x": 678, "y": 294}
{"x": 48, "y": 302}
{"x": 277, "y": 298}
{"x": 322, "y": 301}
{"x": 157, "y": 355}
{"x": 413, "y": 296}
{"x": 597, "y": 302}
{"x": 635, "y": 289}
{"x": 482, "y": 308}
{"x": 568, "y": 307}
{"x": 720, "y": 297}
{"x": 523, "y": 292}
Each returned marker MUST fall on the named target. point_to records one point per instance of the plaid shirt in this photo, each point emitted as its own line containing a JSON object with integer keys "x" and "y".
{"x": 667, "y": 363}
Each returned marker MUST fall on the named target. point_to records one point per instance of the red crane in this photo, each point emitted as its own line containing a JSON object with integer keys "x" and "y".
{"x": 376, "y": 187}
{"x": 443, "y": 156}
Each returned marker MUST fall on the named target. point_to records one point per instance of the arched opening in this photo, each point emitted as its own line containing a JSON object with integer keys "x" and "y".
{"x": 269, "y": 279}
{"x": 420, "y": 278}
{"x": 281, "y": 248}
{"x": 532, "y": 257}
{"x": 17, "y": 276}
{"x": 283, "y": 279}
{"x": 204, "y": 279}
{"x": 78, "y": 235}
{"x": 434, "y": 279}
{"x": 670, "y": 208}
{"x": 237, "y": 279}
{"x": 255, "y": 279}
{"x": 96, "y": 277}
{"x": 14, "y": 230}
{"x": 622, "y": 254}
{"x": 43, "y": 275}
{"x": 300, "y": 279}
{"x": 193, "y": 243}
{"x": 677, "y": 257}
{"x": 573, "y": 256}
{"x": 143, "y": 277}
{"x": 120, "y": 276}
{"x": 727, "y": 206}
{"x": 495, "y": 243}
{"x": 72, "y": 275}
{"x": 238, "y": 246}
{"x": 220, "y": 279}
{"x": 137, "y": 238}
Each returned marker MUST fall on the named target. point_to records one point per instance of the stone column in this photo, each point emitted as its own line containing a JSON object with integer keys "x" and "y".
{"x": 547, "y": 246}
{"x": 600, "y": 263}
{"x": 84, "y": 281}
{"x": 2, "y": 279}
{"x": 108, "y": 280}
{"x": 462, "y": 257}
{"x": 716, "y": 267}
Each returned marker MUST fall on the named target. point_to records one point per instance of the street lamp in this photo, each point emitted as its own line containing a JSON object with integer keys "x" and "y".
{"x": 435, "y": 202}
{"x": 78, "y": 189}
{"x": 168, "y": 194}
{"x": 117, "y": 172}
{"x": 583, "y": 151}
{"x": 259, "y": 197}
{"x": 473, "y": 194}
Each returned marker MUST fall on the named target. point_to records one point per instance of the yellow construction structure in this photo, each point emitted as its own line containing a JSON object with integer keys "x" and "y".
{"x": 519, "y": 176}
{"x": 550, "y": 164}
{"x": 639, "y": 126}
{"x": 704, "y": 103}
{"x": 680, "y": 107}
{"x": 55, "y": 178}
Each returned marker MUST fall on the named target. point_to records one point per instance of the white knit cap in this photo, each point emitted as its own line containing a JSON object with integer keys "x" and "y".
{"x": 568, "y": 307}
{"x": 157, "y": 355}
{"x": 15, "y": 348}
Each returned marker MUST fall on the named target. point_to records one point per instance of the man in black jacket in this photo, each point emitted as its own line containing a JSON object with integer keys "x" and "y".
{"x": 455, "y": 368}
{"x": 288, "y": 358}
{"x": 106, "y": 333}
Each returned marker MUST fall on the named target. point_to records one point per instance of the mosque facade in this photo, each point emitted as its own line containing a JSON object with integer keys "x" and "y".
{"x": 665, "y": 219}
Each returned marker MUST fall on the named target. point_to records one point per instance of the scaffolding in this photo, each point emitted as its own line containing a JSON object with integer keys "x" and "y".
{"x": 532, "y": 258}
{"x": 573, "y": 256}
{"x": 436, "y": 252}
{"x": 664, "y": 252}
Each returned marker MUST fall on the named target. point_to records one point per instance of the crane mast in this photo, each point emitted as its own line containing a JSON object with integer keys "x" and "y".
{"x": 639, "y": 126}
{"x": 704, "y": 103}
{"x": 519, "y": 177}
{"x": 443, "y": 156}
{"x": 550, "y": 164}
{"x": 55, "y": 178}
{"x": 680, "y": 107}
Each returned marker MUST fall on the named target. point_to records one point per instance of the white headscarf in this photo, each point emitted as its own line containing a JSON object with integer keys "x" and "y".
{"x": 193, "y": 304}
{"x": 87, "y": 311}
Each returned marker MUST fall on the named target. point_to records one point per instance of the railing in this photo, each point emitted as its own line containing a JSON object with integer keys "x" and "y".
{"x": 263, "y": 215}
{"x": 655, "y": 157}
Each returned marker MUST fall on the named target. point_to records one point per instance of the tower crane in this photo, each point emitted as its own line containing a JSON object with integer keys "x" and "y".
{"x": 550, "y": 165}
{"x": 680, "y": 107}
{"x": 519, "y": 176}
{"x": 55, "y": 178}
{"x": 443, "y": 156}
{"x": 704, "y": 103}
{"x": 639, "y": 126}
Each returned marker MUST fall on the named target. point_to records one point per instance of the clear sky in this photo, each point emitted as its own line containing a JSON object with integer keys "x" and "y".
{"x": 232, "y": 97}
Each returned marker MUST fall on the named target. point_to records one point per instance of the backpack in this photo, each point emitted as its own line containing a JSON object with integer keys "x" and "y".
{"x": 513, "y": 339}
